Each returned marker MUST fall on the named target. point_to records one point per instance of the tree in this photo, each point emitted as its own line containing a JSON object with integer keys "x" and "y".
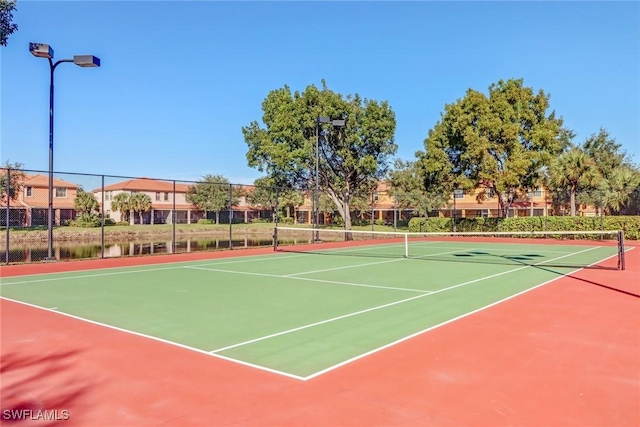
{"x": 212, "y": 194}
{"x": 618, "y": 178}
{"x": 7, "y": 27}
{"x": 16, "y": 178}
{"x": 412, "y": 188}
{"x": 632, "y": 205}
{"x": 613, "y": 192}
{"x": 122, "y": 203}
{"x": 266, "y": 195}
{"x": 496, "y": 143}
{"x": 571, "y": 171}
{"x": 85, "y": 202}
{"x": 605, "y": 152}
{"x": 140, "y": 203}
{"x": 351, "y": 158}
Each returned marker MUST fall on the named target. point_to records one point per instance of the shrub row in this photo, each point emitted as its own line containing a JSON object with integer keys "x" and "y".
{"x": 629, "y": 224}
{"x": 89, "y": 220}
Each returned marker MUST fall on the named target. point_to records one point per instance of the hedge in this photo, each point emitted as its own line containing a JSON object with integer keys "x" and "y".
{"x": 629, "y": 224}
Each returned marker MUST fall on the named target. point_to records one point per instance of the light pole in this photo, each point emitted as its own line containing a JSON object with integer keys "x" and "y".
{"x": 42, "y": 50}
{"x": 316, "y": 198}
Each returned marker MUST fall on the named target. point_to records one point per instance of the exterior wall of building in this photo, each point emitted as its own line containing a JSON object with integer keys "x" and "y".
{"x": 162, "y": 204}
{"x": 33, "y": 201}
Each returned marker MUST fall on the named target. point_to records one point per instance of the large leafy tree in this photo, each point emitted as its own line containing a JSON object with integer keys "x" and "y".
{"x": 571, "y": 171}
{"x": 267, "y": 196}
{"x": 498, "y": 143}
{"x": 351, "y": 158}
{"x": 140, "y": 203}
{"x": 7, "y": 27}
{"x": 13, "y": 172}
{"x": 413, "y": 188}
{"x": 121, "y": 202}
{"x": 212, "y": 194}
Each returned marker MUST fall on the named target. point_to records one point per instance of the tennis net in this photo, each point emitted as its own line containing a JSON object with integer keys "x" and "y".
{"x": 575, "y": 249}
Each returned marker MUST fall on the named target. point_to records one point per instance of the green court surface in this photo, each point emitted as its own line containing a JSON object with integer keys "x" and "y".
{"x": 303, "y": 314}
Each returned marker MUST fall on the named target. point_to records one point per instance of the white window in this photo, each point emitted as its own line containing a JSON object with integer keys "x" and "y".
{"x": 61, "y": 192}
{"x": 157, "y": 196}
{"x": 166, "y": 197}
{"x": 28, "y": 192}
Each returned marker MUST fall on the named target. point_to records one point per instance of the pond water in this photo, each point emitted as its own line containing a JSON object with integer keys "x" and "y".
{"x": 35, "y": 252}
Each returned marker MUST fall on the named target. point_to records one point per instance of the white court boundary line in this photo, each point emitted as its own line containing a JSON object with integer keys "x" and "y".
{"x": 63, "y": 275}
{"x": 344, "y": 316}
{"x": 391, "y": 344}
{"x": 286, "y": 374}
{"x": 151, "y": 337}
{"x": 306, "y": 279}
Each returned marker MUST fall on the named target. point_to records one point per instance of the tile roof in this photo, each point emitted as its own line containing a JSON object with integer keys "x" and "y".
{"x": 144, "y": 184}
{"x": 39, "y": 180}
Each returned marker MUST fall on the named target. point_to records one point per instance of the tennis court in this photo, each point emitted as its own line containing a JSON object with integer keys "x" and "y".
{"x": 306, "y": 310}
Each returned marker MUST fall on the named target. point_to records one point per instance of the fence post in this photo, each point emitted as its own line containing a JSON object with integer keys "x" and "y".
{"x": 102, "y": 232}
{"x": 395, "y": 212}
{"x": 275, "y": 212}
{"x": 174, "y": 218}
{"x": 230, "y": 215}
{"x": 455, "y": 212}
{"x": 6, "y": 255}
{"x": 372, "y": 212}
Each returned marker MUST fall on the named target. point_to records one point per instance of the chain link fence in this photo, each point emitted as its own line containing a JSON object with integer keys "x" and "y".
{"x": 65, "y": 216}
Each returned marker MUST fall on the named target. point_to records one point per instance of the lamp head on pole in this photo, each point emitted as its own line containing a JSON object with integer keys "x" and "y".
{"x": 86, "y": 60}
{"x": 41, "y": 50}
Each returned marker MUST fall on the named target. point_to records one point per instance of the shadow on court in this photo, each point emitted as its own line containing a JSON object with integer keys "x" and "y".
{"x": 471, "y": 257}
{"x": 591, "y": 282}
{"x": 39, "y": 389}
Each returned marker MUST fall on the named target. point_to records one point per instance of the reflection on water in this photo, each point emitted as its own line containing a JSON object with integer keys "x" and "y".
{"x": 35, "y": 252}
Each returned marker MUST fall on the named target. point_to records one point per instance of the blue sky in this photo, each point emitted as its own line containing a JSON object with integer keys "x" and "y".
{"x": 179, "y": 79}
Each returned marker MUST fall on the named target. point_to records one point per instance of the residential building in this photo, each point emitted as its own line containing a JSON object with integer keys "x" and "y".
{"x": 165, "y": 198}
{"x": 383, "y": 204}
{"x": 30, "y": 207}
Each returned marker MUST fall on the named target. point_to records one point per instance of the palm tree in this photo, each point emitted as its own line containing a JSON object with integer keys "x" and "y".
{"x": 141, "y": 203}
{"x": 571, "y": 171}
{"x": 617, "y": 189}
{"x": 121, "y": 202}
{"x": 85, "y": 202}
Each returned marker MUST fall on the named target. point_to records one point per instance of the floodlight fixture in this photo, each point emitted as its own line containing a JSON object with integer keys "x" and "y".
{"x": 43, "y": 50}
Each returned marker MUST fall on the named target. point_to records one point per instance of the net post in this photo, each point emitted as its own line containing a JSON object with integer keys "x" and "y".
{"x": 406, "y": 245}
{"x": 621, "y": 263}
{"x": 275, "y": 239}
